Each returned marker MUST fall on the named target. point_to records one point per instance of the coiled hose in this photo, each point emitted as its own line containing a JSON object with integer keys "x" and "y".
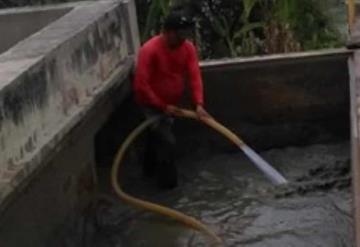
{"x": 155, "y": 208}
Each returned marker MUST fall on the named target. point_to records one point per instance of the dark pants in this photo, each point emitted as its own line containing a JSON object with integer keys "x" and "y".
{"x": 159, "y": 154}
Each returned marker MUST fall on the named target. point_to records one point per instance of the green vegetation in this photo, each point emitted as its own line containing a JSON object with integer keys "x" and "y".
{"x": 248, "y": 27}
{"x": 304, "y": 24}
{"x": 156, "y": 11}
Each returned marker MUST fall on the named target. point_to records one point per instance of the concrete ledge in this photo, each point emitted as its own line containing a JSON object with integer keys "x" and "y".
{"x": 51, "y": 80}
{"x": 288, "y": 58}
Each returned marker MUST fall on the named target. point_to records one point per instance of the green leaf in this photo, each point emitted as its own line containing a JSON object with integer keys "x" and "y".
{"x": 225, "y": 24}
{"x": 218, "y": 27}
{"x": 152, "y": 18}
{"x": 165, "y": 6}
{"x": 247, "y": 28}
{"x": 248, "y": 7}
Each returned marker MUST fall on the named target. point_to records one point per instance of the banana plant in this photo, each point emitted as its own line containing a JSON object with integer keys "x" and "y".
{"x": 239, "y": 40}
{"x": 306, "y": 21}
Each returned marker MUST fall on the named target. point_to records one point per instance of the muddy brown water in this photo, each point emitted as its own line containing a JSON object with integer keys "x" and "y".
{"x": 227, "y": 193}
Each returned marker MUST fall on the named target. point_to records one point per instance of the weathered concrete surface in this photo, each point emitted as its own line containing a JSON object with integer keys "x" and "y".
{"x": 53, "y": 194}
{"x": 354, "y": 68}
{"x": 66, "y": 181}
{"x": 275, "y": 101}
{"x": 16, "y": 26}
{"x": 57, "y": 87}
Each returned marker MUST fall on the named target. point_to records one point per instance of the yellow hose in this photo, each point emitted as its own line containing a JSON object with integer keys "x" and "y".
{"x": 187, "y": 220}
{"x": 215, "y": 125}
{"x": 178, "y": 216}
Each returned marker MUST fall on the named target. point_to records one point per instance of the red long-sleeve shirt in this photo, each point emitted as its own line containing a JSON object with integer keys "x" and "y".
{"x": 160, "y": 74}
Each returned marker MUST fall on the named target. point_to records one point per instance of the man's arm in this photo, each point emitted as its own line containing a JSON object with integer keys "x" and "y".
{"x": 141, "y": 82}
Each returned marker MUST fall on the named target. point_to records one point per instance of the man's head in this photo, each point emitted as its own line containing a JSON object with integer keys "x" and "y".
{"x": 178, "y": 26}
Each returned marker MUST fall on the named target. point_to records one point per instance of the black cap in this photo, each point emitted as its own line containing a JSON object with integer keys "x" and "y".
{"x": 178, "y": 19}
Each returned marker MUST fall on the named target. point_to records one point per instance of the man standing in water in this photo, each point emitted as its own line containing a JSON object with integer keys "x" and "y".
{"x": 163, "y": 63}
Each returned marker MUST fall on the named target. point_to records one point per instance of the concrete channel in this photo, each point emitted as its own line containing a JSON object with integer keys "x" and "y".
{"x": 66, "y": 106}
{"x": 285, "y": 107}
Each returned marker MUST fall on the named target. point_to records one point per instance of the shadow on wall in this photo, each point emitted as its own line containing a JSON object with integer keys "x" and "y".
{"x": 109, "y": 138}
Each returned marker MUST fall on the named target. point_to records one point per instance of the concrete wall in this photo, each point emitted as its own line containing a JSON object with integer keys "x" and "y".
{"x": 275, "y": 101}
{"x": 57, "y": 88}
{"x": 15, "y": 27}
{"x": 272, "y": 101}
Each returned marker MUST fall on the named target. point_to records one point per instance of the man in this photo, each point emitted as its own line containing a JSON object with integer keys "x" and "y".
{"x": 163, "y": 63}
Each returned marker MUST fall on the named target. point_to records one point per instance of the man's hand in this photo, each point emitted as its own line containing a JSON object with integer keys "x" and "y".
{"x": 202, "y": 113}
{"x": 173, "y": 110}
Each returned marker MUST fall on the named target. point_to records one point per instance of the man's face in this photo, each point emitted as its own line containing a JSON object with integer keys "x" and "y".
{"x": 178, "y": 37}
